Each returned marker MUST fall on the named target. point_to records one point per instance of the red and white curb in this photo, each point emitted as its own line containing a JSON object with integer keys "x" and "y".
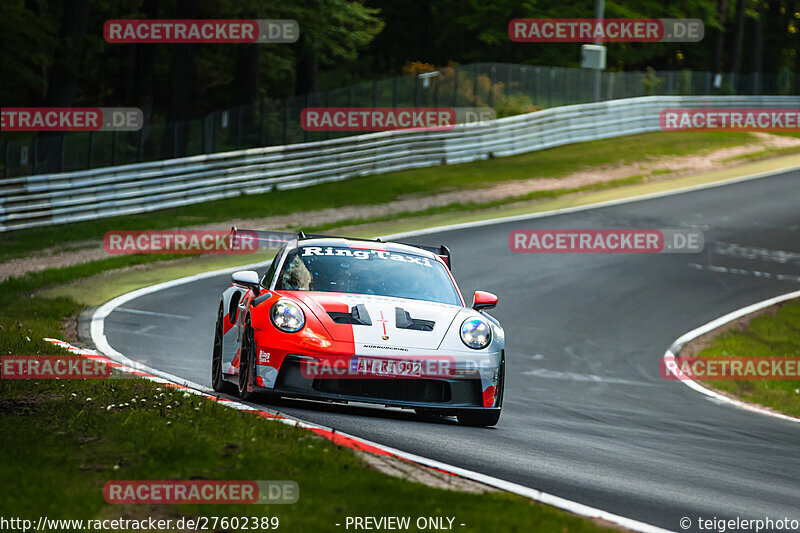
{"x": 357, "y": 443}
{"x": 142, "y": 372}
{"x": 99, "y": 339}
{"x": 672, "y": 354}
{"x": 123, "y": 363}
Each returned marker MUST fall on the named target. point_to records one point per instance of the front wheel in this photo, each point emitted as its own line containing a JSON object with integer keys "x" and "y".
{"x": 218, "y": 382}
{"x": 246, "y": 360}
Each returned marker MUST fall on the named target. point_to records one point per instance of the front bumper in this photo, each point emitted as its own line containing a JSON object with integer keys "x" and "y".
{"x": 451, "y": 395}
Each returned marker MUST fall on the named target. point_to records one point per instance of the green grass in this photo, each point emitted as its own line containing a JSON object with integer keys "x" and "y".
{"x": 140, "y": 259}
{"x": 65, "y": 448}
{"x": 25, "y": 318}
{"x": 767, "y": 335}
{"x": 370, "y": 190}
{"x": 61, "y": 448}
{"x": 474, "y": 206}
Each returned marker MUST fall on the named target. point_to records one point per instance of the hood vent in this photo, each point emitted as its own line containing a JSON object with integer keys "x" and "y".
{"x": 404, "y": 321}
{"x": 358, "y": 316}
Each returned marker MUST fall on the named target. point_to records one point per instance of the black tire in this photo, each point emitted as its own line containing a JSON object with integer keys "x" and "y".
{"x": 479, "y": 418}
{"x": 218, "y": 382}
{"x": 502, "y": 385}
{"x": 246, "y": 362}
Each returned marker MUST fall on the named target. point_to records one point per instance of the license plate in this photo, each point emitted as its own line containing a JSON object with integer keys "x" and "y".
{"x": 388, "y": 367}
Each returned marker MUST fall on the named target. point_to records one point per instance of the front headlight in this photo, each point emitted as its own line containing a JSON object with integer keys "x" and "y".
{"x": 476, "y": 333}
{"x": 287, "y": 316}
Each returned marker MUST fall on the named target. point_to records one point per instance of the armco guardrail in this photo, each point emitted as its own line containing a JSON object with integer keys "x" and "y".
{"x": 48, "y": 199}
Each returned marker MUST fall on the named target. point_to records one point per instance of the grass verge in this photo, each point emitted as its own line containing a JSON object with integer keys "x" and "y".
{"x": 65, "y": 448}
{"x": 62, "y": 444}
{"x": 774, "y": 333}
{"x": 61, "y": 448}
{"x": 371, "y": 190}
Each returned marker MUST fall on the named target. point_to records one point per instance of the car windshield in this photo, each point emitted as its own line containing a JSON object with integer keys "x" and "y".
{"x": 362, "y": 271}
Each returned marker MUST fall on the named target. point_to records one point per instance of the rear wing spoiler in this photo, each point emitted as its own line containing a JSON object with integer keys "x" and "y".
{"x": 253, "y": 238}
{"x": 275, "y": 239}
{"x": 442, "y": 252}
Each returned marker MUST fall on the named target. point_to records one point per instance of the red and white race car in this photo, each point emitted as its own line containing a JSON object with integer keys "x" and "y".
{"x": 349, "y": 320}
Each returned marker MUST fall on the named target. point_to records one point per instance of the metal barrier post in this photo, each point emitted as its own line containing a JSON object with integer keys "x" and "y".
{"x": 261, "y": 135}
{"x": 285, "y": 119}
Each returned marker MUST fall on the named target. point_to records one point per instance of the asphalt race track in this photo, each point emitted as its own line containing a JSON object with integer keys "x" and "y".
{"x": 586, "y": 415}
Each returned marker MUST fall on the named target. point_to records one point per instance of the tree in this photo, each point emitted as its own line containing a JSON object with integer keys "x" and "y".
{"x": 719, "y": 35}
{"x": 63, "y": 79}
{"x": 758, "y": 42}
{"x": 331, "y": 31}
{"x": 28, "y": 30}
{"x": 738, "y": 35}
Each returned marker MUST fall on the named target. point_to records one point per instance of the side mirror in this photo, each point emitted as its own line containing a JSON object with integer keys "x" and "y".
{"x": 483, "y": 300}
{"x": 247, "y": 278}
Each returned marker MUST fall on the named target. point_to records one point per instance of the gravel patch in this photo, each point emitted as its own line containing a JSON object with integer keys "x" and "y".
{"x": 667, "y": 167}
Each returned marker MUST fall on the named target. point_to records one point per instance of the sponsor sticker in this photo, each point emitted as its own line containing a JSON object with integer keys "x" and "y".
{"x": 366, "y": 254}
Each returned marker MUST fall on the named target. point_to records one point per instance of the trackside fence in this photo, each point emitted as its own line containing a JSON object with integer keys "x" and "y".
{"x": 510, "y": 89}
{"x": 48, "y": 199}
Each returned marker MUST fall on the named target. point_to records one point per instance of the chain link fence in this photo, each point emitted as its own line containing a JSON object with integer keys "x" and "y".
{"x": 508, "y": 88}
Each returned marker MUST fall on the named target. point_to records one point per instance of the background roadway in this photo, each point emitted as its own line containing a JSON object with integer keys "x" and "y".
{"x": 586, "y": 415}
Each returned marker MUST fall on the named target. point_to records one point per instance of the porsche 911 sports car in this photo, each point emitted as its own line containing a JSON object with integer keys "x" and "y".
{"x": 350, "y": 320}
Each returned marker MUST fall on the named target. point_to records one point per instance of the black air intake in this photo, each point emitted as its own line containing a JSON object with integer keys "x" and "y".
{"x": 404, "y": 321}
{"x": 358, "y": 316}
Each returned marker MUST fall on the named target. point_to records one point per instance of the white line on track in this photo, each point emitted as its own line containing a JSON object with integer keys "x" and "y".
{"x": 536, "y": 495}
{"x": 565, "y": 210}
{"x": 673, "y": 351}
{"x": 101, "y": 343}
{"x": 152, "y": 313}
